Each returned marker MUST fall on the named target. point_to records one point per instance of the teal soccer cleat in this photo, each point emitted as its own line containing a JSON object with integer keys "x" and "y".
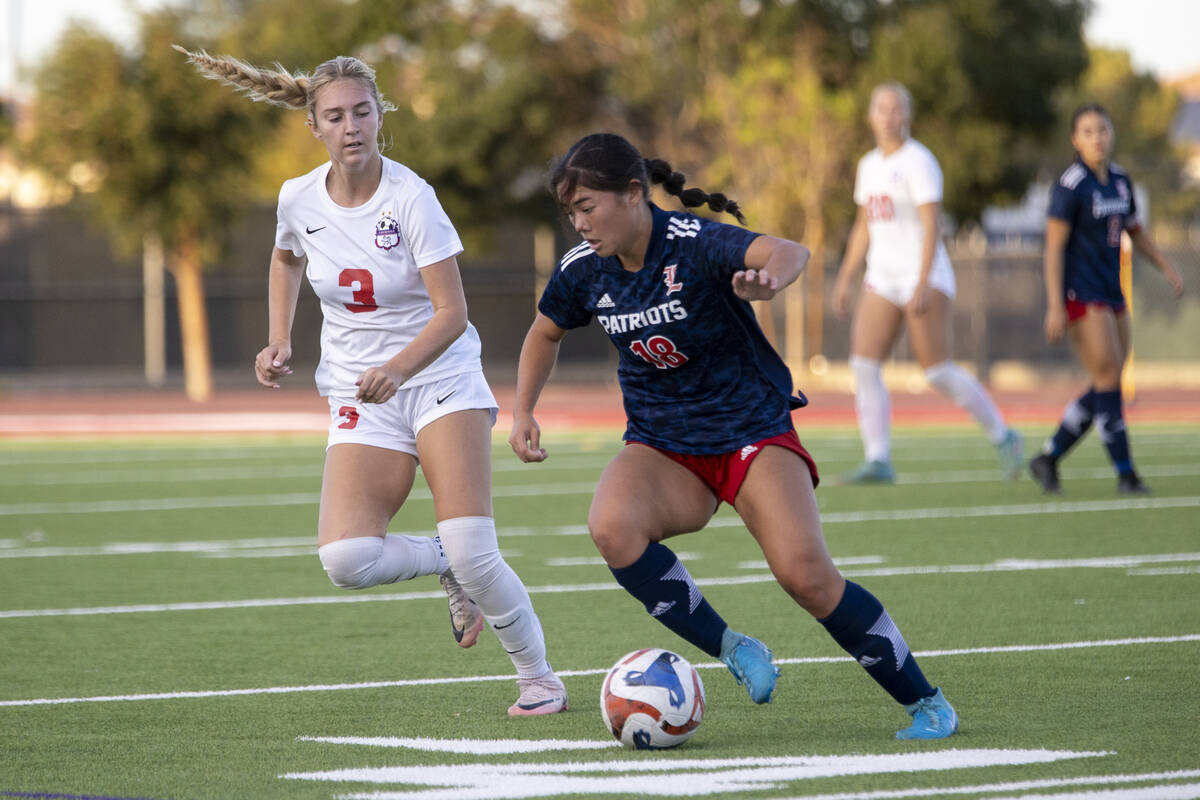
{"x": 933, "y": 718}
{"x": 1011, "y": 452}
{"x": 870, "y": 472}
{"x": 750, "y": 662}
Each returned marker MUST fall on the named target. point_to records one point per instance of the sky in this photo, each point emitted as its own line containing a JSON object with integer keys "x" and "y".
{"x": 1160, "y": 34}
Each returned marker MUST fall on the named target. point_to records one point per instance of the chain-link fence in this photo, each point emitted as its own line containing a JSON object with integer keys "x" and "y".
{"x": 66, "y": 304}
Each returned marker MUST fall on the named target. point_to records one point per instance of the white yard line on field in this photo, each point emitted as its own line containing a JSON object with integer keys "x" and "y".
{"x": 1017, "y": 786}
{"x": 264, "y": 473}
{"x": 337, "y": 687}
{"x": 260, "y": 472}
{"x": 1001, "y": 565}
{"x": 585, "y": 488}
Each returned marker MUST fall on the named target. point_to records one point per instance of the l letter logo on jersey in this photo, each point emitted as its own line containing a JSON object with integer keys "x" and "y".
{"x": 387, "y": 231}
{"x": 669, "y": 279}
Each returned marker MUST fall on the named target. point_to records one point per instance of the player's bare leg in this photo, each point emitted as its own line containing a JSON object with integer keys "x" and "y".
{"x": 778, "y": 505}
{"x": 455, "y": 455}
{"x": 873, "y": 333}
{"x": 929, "y": 333}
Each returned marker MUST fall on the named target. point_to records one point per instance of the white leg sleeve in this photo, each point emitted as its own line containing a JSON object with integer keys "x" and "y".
{"x": 960, "y": 386}
{"x": 474, "y": 556}
{"x": 874, "y": 408}
{"x": 368, "y": 560}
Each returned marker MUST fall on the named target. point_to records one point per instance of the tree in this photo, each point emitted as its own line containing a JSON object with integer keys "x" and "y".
{"x": 984, "y": 75}
{"x": 483, "y": 93}
{"x": 170, "y": 153}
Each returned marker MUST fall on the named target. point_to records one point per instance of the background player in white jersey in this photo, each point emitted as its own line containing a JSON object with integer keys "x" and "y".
{"x": 399, "y": 364}
{"x": 898, "y": 191}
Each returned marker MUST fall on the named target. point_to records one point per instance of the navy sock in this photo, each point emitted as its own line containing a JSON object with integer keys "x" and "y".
{"x": 865, "y": 630}
{"x": 1075, "y": 423}
{"x": 1111, "y": 422}
{"x": 664, "y": 586}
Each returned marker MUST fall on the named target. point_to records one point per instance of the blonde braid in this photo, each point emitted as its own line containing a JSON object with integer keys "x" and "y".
{"x": 277, "y": 87}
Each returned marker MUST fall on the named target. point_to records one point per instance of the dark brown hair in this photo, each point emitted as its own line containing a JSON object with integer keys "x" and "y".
{"x": 608, "y": 162}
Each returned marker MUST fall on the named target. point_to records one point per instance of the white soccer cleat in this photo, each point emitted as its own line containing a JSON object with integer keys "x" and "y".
{"x": 542, "y": 695}
{"x": 466, "y": 620}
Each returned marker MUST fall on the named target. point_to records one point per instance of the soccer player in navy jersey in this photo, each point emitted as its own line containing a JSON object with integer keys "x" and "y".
{"x": 709, "y": 404}
{"x": 1091, "y": 205}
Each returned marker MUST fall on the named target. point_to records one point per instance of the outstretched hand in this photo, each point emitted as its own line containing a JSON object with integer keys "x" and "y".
{"x": 755, "y": 284}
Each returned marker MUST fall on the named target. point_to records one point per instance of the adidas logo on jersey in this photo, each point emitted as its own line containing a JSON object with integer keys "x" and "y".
{"x": 748, "y": 451}
{"x": 605, "y": 302}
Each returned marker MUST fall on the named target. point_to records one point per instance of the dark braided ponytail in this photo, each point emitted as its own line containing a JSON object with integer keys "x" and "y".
{"x": 607, "y": 162}
{"x": 672, "y": 182}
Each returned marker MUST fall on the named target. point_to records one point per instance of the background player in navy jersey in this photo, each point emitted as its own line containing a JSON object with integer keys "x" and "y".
{"x": 709, "y": 404}
{"x": 909, "y": 282}
{"x": 399, "y": 364}
{"x": 1091, "y": 205}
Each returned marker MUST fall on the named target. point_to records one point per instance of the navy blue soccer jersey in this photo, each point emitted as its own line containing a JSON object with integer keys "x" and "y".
{"x": 1097, "y": 213}
{"x": 697, "y": 375}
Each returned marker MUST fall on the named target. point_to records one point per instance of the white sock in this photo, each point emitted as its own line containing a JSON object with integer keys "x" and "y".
{"x": 369, "y": 560}
{"x": 960, "y": 386}
{"x": 874, "y": 408}
{"x": 474, "y": 556}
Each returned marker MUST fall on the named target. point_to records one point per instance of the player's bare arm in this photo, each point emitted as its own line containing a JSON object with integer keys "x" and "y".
{"x": 771, "y": 264}
{"x": 1145, "y": 245}
{"x": 538, "y": 355}
{"x": 1057, "y": 232}
{"x": 286, "y": 272}
{"x": 444, "y": 285}
{"x": 929, "y": 214}
{"x": 852, "y": 262}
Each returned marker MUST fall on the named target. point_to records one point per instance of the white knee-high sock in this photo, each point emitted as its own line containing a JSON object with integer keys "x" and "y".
{"x": 368, "y": 560}
{"x": 874, "y": 408}
{"x": 960, "y": 386}
{"x": 474, "y": 556}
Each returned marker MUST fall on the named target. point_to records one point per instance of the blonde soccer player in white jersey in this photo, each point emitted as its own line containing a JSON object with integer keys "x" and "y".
{"x": 399, "y": 364}
{"x": 909, "y": 281}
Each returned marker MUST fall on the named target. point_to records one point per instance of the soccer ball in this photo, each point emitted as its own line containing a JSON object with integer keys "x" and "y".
{"x": 652, "y": 699}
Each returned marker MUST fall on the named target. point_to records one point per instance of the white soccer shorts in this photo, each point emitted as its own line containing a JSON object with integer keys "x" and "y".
{"x": 394, "y": 425}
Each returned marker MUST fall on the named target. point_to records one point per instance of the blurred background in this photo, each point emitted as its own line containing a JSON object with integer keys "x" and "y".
{"x": 137, "y": 200}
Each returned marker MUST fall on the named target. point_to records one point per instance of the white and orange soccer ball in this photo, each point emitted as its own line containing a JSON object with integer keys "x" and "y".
{"x": 652, "y": 699}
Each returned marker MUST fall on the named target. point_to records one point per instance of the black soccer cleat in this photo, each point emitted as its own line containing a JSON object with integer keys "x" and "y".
{"x": 1045, "y": 471}
{"x": 1130, "y": 483}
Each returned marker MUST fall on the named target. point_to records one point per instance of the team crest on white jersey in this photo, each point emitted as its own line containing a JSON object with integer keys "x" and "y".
{"x": 387, "y": 231}
{"x": 669, "y": 279}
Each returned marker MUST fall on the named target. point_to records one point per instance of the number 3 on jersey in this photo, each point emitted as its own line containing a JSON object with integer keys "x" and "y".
{"x": 659, "y": 351}
{"x": 364, "y": 294}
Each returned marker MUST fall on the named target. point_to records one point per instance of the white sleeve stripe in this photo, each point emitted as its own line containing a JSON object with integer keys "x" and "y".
{"x": 1073, "y": 175}
{"x": 574, "y": 255}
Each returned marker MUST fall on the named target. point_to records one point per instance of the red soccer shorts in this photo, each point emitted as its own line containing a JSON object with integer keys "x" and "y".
{"x": 1077, "y": 308}
{"x": 725, "y": 473}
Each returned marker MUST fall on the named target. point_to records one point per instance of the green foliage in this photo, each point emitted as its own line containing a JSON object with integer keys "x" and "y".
{"x": 6, "y": 123}
{"x": 171, "y": 151}
{"x": 482, "y": 94}
{"x": 765, "y": 98}
{"x": 983, "y": 75}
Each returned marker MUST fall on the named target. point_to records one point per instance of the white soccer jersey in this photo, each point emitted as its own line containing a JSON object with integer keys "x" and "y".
{"x": 363, "y": 264}
{"x": 891, "y": 188}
